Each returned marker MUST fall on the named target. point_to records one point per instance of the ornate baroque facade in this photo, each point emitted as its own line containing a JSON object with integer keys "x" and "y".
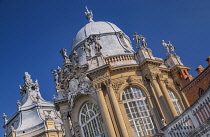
{"x": 105, "y": 88}
{"x": 35, "y": 116}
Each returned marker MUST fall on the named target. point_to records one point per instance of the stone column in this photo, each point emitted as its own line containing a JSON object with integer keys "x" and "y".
{"x": 168, "y": 98}
{"x": 65, "y": 120}
{"x": 118, "y": 112}
{"x": 106, "y": 115}
{"x": 161, "y": 99}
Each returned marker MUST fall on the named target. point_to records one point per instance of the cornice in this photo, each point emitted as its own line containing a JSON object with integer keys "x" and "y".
{"x": 98, "y": 69}
{"x": 126, "y": 67}
{"x": 151, "y": 62}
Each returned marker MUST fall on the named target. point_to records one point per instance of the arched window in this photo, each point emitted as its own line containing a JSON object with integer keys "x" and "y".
{"x": 138, "y": 112}
{"x": 90, "y": 121}
{"x": 175, "y": 101}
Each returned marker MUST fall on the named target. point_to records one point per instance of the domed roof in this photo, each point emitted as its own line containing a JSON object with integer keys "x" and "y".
{"x": 111, "y": 39}
{"x": 99, "y": 38}
{"x": 93, "y": 28}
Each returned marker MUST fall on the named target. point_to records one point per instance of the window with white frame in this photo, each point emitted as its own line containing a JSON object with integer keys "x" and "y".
{"x": 175, "y": 101}
{"x": 138, "y": 112}
{"x": 89, "y": 120}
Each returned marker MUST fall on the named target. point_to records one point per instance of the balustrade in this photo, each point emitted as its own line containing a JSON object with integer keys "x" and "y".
{"x": 192, "y": 120}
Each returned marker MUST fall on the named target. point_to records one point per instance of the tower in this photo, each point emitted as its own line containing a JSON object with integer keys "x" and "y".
{"x": 105, "y": 88}
{"x": 35, "y": 116}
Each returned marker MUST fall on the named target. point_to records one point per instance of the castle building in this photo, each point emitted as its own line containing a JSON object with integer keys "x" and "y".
{"x": 105, "y": 88}
{"x": 35, "y": 116}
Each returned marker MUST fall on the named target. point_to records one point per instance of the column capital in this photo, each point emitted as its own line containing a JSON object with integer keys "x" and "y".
{"x": 97, "y": 86}
{"x": 151, "y": 76}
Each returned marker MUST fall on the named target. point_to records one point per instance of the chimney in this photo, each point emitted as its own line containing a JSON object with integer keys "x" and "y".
{"x": 199, "y": 69}
{"x": 208, "y": 60}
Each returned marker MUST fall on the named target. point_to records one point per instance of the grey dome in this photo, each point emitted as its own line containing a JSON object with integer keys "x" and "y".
{"x": 110, "y": 41}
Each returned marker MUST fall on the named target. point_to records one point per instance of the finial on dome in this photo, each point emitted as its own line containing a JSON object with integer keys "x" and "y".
{"x": 89, "y": 14}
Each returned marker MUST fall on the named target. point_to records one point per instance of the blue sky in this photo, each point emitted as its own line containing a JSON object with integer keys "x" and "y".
{"x": 32, "y": 32}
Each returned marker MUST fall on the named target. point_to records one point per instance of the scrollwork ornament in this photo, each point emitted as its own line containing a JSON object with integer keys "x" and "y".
{"x": 73, "y": 85}
{"x": 117, "y": 85}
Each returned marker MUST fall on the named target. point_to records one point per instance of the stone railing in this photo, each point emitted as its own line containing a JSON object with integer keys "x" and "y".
{"x": 120, "y": 60}
{"x": 195, "y": 121}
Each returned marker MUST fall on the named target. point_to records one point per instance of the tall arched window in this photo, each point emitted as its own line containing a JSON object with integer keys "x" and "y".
{"x": 138, "y": 112}
{"x": 175, "y": 101}
{"x": 90, "y": 121}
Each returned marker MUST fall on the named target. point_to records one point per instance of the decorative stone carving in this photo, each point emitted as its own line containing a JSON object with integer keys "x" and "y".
{"x": 12, "y": 128}
{"x": 151, "y": 76}
{"x": 18, "y": 104}
{"x": 117, "y": 85}
{"x": 169, "y": 48}
{"x": 75, "y": 56}
{"x": 56, "y": 79}
{"x": 64, "y": 54}
{"x": 86, "y": 48}
{"x": 89, "y": 14}
{"x": 140, "y": 39}
{"x": 93, "y": 39}
{"x": 134, "y": 80}
{"x": 121, "y": 35}
{"x": 73, "y": 85}
{"x": 4, "y": 116}
{"x": 29, "y": 85}
{"x": 143, "y": 41}
{"x": 137, "y": 38}
{"x": 79, "y": 86}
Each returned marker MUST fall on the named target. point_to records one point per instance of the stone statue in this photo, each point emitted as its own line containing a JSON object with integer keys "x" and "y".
{"x": 27, "y": 79}
{"x": 121, "y": 35}
{"x": 135, "y": 36}
{"x": 86, "y": 48}
{"x": 89, "y": 15}
{"x": 18, "y": 104}
{"x": 97, "y": 47}
{"x": 36, "y": 85}
{"x": 171, "y": 47}
{"x": 12, "y": 128}
{"x": 71, "y": 96}
{"x": 143, "y": 41}
{"x": 54, "y": 72}
{"x": 75, "y": 56}
{"x": 165, "y": 46}
{"x": 64, "y": 54}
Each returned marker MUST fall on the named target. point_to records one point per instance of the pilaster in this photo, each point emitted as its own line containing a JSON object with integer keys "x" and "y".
{"x": 117, "y": 111}
{"x": 167, "y": 96}
{"x": 109, "y": 124}
{"x": 64, "y": 110}
{"x": 163, "y": 104}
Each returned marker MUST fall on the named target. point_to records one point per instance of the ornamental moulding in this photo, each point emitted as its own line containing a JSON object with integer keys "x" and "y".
{"x": 117, "y": 85}
{"x": 134, "y": 80}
